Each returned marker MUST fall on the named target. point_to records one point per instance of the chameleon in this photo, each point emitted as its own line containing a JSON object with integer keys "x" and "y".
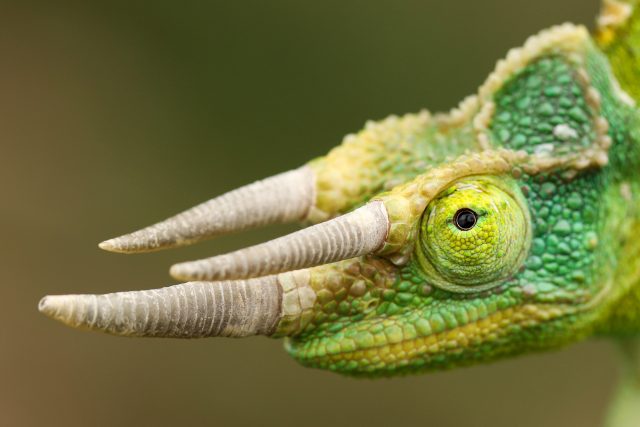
{"x": 508, "y": 225}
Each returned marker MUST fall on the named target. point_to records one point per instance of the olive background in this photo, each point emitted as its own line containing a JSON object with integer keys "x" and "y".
{"x": 116, "y": 114}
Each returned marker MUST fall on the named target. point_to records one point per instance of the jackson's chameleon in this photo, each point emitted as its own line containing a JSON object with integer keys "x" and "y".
{"x": 508, "y": 225}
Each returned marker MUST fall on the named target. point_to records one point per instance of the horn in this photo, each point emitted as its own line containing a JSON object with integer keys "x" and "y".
{"x": 279, "y": 199}
{"x": 189, "y": 310}
{"x": 359, "y": 232}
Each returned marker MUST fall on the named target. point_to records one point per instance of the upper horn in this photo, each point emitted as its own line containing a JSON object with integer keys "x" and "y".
{"x": 281, "y": 198}
{"x": 359, "y": 232}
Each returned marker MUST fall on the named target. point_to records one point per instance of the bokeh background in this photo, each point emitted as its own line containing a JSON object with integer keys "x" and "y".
{"x": 116, "y": 114}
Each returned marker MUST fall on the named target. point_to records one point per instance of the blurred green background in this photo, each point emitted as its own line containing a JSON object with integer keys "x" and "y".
{"x": 118, "y": 114}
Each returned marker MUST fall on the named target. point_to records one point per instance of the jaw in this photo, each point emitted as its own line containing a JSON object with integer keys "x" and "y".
{"x": 371, "y": 319}
{"x": 417, "y": 342}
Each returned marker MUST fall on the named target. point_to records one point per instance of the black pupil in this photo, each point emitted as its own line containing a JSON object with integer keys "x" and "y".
{"x": 465, "y": 219}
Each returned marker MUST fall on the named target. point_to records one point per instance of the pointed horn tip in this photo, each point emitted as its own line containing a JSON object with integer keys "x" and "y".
{"x": 117, "y": 245}
{"x": 124, "y": 245}
{"x": 62, "y": 307}
{"x": 43, "y": 304}
{"x": 50, "y": 305}
{"x": 184, "y": 271}
{"x": 109, "y": 245}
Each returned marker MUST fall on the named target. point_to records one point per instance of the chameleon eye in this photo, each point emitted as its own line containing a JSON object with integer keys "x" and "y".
{"x": 474, "y": 234}
{"x": 465, "y": 219}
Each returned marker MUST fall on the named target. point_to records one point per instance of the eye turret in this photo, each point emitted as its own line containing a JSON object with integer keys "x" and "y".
{"x": 474, "y": 234}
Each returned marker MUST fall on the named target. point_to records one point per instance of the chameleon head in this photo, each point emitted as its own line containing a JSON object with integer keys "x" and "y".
{"x": 498, "y": 228}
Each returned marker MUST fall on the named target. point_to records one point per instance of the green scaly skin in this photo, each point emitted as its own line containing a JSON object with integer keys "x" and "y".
{"x": 547, "y": 155}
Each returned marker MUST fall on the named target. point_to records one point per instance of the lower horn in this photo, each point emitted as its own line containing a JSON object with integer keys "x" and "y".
{"x": 236, "y": 308}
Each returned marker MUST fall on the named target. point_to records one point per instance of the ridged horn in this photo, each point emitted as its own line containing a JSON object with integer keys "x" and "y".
{"x": 359, "y": 232}
{"x": 279, "y": 199}
{"x": 189, "y": 310}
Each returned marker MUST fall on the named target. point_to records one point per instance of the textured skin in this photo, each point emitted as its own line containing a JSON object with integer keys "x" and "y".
{"x": 551, "y": 125}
